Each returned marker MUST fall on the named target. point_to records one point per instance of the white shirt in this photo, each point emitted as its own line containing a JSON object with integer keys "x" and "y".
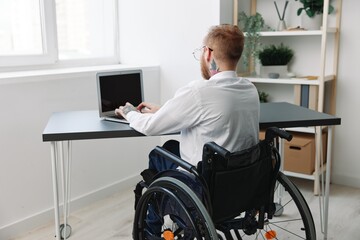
{"x": 224, "y": 109}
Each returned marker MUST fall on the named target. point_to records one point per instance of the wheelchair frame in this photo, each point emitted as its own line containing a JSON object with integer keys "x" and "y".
{"x": 193, "y": 215}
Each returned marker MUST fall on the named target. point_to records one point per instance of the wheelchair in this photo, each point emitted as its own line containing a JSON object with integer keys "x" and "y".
{"x": 240, "y": 195}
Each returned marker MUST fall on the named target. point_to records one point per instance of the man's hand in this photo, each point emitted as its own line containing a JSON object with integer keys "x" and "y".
{"x": 124, "y": 110}
{"x": 146, "y": 107}
{"x": 143, "y": 107}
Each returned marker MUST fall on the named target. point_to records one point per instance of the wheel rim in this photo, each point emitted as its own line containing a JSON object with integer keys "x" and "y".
{"x": 180, "y": 215}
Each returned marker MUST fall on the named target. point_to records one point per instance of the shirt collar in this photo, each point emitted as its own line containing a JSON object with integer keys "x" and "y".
{"x": 224, "y": 74}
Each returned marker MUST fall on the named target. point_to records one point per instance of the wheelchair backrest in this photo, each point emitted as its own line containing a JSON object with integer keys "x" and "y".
{"x": 238, "y": 181}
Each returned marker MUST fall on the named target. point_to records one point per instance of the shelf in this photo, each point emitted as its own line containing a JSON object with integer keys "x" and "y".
{"x": 299, "y": 175}
{"x": 305, "y": 176}
{"x": 301, "y": 129}
{"x": 294, "y": 81}
{"x": 295, "y": 33}
{"x": 319, "y": 90}
{"x": 329, "y": 78}
{"x": 304, "y": 129}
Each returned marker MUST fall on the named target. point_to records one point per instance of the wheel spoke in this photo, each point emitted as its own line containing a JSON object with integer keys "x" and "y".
{"x": 284, "y": 229}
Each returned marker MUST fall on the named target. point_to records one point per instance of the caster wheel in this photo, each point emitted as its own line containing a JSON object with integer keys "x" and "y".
{"x": 65, "y": 232}
{"x": 279, "y": 209}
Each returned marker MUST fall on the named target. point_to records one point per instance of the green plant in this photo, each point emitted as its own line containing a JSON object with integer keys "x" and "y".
{"x": 251, "y": 26}
{"x": 313, "y": 7}
{"x": 275, "y": 55}
{"x": 263, "y": 96}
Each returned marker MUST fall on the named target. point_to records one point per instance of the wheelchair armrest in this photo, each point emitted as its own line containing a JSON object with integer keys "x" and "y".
{"x": 175, "y": 159}
{"x": 213, "y": 147}
{"x": 273, "y": 132}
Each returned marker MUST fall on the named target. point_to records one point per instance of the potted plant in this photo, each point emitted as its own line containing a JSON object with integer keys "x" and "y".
{"x": 313, "y": 10}
{"x": 263, "y": 96}
{"x": 251, "y": 26}
{"x": 274, "y": 60}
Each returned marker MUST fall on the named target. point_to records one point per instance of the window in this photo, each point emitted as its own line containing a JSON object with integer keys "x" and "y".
{"x": 36, "y": 32}
{"x": 20, "y": 29}
{"x": 94, "y": 19}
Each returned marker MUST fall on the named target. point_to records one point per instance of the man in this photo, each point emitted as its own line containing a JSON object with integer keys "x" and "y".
{"x": 222, "y": 108}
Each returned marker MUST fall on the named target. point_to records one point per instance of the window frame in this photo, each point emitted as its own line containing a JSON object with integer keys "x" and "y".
{"x": 50, "y": 56}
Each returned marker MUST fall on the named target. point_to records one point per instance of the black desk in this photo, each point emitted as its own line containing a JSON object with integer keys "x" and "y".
{"x": 286, "y": 115}
{"x": 79, "y": 125}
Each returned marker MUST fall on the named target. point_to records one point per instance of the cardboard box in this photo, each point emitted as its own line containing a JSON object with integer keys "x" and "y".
{"x": 299, "y": 154}
{"x": 261, "y": 134}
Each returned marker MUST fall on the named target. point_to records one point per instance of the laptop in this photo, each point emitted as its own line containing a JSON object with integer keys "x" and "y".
{"x": 115, "y": 89}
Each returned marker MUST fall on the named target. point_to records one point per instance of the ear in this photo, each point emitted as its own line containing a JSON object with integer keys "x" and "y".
{"x": 208, "y": 54}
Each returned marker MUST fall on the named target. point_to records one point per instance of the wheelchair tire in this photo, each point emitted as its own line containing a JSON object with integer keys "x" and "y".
{"x": 182, "y": 212}
{"x": 292, "y": 218}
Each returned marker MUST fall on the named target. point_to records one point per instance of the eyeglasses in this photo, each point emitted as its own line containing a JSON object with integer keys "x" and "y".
{"x": 199, "y": 51}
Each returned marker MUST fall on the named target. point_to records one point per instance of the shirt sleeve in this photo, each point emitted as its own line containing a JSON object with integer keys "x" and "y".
{"x": 180, "y": 112}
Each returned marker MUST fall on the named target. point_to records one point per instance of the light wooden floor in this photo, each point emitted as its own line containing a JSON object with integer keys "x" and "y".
{"x": 111, "y": 218}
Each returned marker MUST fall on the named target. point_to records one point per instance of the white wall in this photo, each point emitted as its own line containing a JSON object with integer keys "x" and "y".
{"x": 166, "y": 33}
{"x": 346, "y": 166}
{"x": 25, "y": 173}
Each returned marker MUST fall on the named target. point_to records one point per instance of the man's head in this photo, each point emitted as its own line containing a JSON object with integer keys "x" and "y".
{"x": 223, "y": 48}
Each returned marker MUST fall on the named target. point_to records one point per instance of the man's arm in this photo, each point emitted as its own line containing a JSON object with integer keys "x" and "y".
{"x": 180, "y": 112}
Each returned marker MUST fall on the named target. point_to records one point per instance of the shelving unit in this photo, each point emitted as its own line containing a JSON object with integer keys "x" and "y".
{"x": 291, "y": 81}
{"x": 296, "y": 33}
{"x": 325, "y": 74}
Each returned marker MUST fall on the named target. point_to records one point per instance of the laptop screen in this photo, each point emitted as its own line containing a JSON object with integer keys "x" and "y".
{"x": 117, "y": 88}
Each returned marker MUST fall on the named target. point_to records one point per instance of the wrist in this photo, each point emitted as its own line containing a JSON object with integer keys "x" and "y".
{"x": 126, "y": 109}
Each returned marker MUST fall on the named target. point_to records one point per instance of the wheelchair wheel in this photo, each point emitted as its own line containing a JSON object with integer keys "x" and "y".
{"x": 292, "y": 219}
{"x": 182, "y": 215}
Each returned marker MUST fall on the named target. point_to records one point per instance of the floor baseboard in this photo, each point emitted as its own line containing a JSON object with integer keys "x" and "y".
{"x": 47, "y": 215}
{"x": 345, "y": 180}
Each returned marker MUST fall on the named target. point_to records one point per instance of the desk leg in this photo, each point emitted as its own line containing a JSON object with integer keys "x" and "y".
{"x": 280, "y": 189}
{"x": 62, "y": 231}
{"x": 65, "y": 230}
{"x": 327, "y": 181}
{"x": 318, "y": 160}
{"x": 55, "y": 188}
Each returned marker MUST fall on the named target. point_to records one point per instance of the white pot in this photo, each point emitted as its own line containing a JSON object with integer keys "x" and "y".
{"x": 281, "y": 26}
{"x": 313, "y": 23}
{"x": 272, "y": 71}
